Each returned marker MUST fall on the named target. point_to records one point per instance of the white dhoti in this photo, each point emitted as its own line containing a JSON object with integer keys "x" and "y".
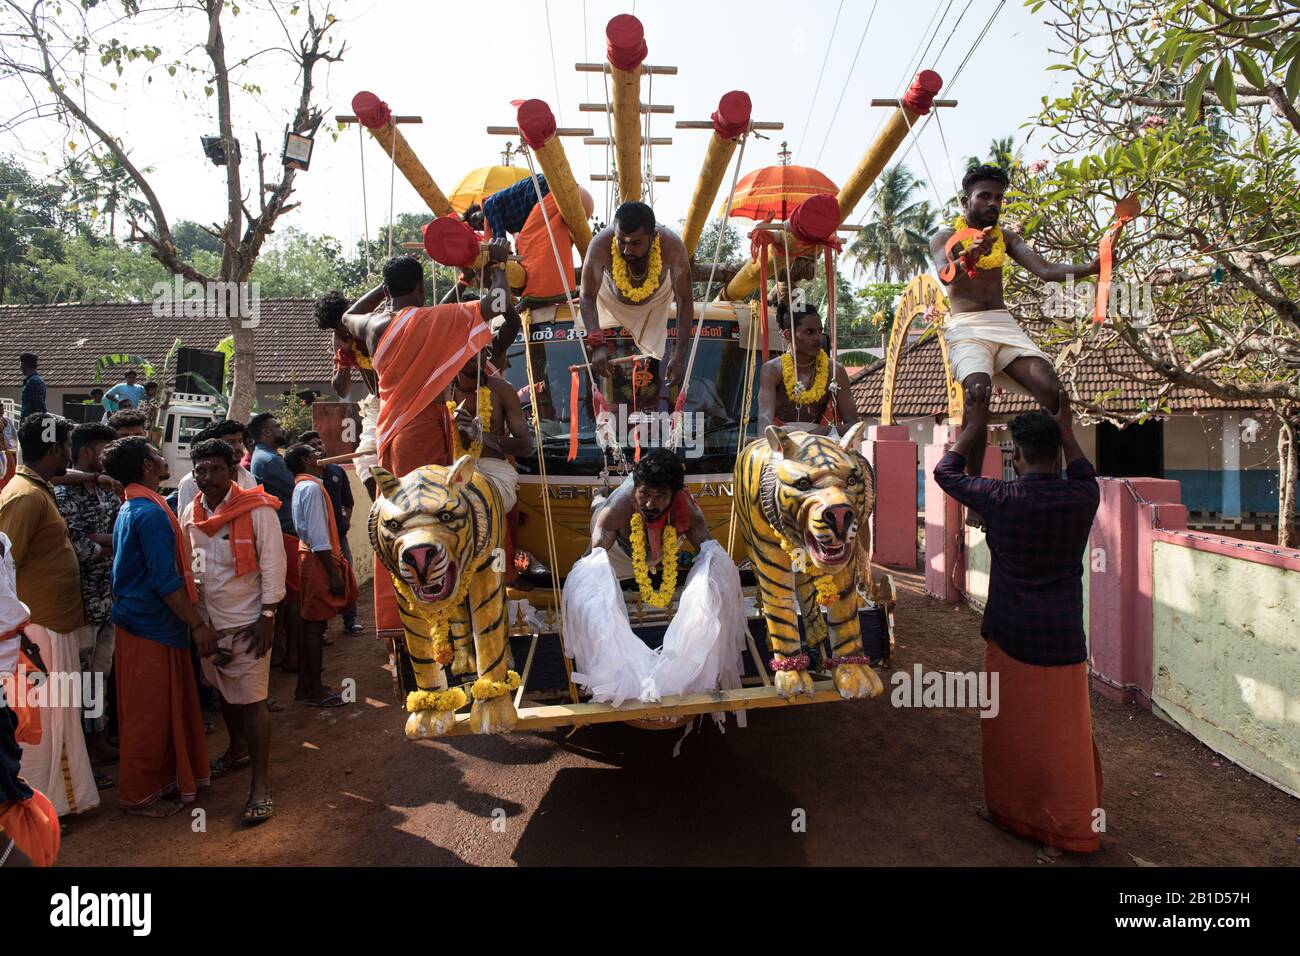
{"x": 503, "y": 476}
{"x": 701, "y": 649}
{"x": 367, "y": 453}
{"x": 988, "y": 342}
{"x": 646, "y": 321}
{"x": 58, "y": 766}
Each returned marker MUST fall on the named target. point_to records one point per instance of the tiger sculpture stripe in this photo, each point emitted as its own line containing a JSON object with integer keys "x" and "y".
{"x": 816, "y": 493}
{"x": 439, "y": 532}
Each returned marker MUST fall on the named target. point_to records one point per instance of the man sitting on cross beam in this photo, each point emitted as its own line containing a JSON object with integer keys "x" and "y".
{"x": 985, "y": 343}
{"x": 626, "y": 282}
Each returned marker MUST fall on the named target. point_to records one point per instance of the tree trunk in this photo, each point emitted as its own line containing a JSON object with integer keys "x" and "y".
{"x": 243, "y": 390}
{"x": 1288, "y": 466}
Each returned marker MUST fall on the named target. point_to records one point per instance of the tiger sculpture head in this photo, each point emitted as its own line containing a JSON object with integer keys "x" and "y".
{"x": 817, "y": 491}
{"x": 428, "y": 527}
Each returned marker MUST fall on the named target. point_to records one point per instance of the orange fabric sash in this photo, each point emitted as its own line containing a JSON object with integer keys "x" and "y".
{"x": 1124, "y": 213}
{"x": 418, "y": 355}
{"x": 34, "y": 826}
{"x": 134, "y": 490}
{"x": 329, "y": 513}
{"x": 237, "y": 511}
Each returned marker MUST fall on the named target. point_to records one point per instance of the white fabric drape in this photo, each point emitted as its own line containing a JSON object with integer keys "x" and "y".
{"x": 701, "y": 649}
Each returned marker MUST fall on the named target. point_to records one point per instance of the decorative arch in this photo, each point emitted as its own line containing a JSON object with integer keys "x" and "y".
{"x": 922, "y": 294}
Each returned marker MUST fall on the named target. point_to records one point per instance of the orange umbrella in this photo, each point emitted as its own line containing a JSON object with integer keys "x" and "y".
{"x": 483, "y": 182}
{"x": 773, "y": 191}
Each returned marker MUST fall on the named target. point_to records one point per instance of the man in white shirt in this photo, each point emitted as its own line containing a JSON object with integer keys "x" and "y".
{"x": 232, "y": 433}
{"x": 239, "y": 570}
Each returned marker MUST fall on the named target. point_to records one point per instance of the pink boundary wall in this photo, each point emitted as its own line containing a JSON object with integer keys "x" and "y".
{"x": 1133, "y": 514}
{"x": 943, "y": 520}
{"x": 892, "y": 455}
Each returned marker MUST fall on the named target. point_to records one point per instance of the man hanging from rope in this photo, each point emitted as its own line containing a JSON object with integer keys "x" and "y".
{"x": 633, "y": 271}
{"x": 986, "y": 345}
{"x": 793, "y": 390}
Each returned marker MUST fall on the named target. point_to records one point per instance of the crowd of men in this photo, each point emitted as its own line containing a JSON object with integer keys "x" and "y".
{"x": 166, "y": 609}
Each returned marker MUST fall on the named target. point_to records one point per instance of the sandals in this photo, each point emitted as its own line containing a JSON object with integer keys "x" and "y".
{"x": 257, "y": 811}
{"x": 221, "y": 767}
{"x": 104, "y": 781}
{"x": 329, "y": 700}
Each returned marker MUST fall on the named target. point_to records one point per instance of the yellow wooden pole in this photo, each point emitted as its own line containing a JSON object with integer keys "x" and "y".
{"x": 376, "y": 117}
{"x": 537, "y": 126}
{"x": 915, "y": 104}
{"x": 626, "y": 40}
{"x": 733, "y": 112}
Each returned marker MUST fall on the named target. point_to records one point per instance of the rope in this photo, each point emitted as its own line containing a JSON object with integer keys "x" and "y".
{"x": 540, "y": 446}
{"x": 392, "y": 179}
{"x": 747, "y": 397}
{"x": 365, "y": 213}
{"x": 947, "y": 155}
{"x": 648, "y": 161}
{"x": 611, "y": 184}
{"x": 674, "y": 432}
{"x": 915, "y": 136}
{"x": 555, "y": 75}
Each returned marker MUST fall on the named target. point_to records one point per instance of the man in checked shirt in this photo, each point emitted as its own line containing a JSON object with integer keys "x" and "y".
{"x": 1042, "y": 773}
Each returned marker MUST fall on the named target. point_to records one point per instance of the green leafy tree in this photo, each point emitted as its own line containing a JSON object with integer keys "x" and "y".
{"x": 58, "y": 50}
{"x": 1191, "y": 108}
{"x": 895, "y": 242}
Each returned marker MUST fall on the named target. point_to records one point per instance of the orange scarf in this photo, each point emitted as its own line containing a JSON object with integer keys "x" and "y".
{"x": 33, "y": 825}
{"x": 237, "y": 511}
{"x": 134, "y": 490}
{"x": 329, "y": 513}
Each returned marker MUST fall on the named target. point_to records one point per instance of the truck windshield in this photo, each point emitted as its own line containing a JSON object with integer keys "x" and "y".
{"x": 713, "y": 403}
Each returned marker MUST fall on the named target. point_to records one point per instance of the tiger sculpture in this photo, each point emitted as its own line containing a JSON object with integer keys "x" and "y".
{"x": 439, "y": 532}
{"x": 816, "y": 493}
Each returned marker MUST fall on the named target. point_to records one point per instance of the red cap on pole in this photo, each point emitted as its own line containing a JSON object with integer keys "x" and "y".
{"x": 815, "y": 220}
{"x": 536, "y": 122}
{"x": 732, "y": 116}
{"x": 922, "y": 92}
{"x": 371, "y": 110}
{"x": 451, "y": 242}
{"x": 625, "y": 42}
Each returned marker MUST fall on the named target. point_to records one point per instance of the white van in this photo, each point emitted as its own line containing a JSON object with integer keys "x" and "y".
{"x": 186, "y": 415}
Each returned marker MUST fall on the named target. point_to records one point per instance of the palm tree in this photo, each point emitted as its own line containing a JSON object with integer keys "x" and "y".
{"x": 896, "y": 242}
{"x": 1002, "y": 153}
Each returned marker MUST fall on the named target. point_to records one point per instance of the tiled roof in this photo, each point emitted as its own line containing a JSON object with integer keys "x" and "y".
{"x": 69, "y": 338}
{"x": 919, "y": 386}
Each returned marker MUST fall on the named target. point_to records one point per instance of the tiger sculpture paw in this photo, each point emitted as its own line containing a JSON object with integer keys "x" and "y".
{"x": 790, "y": 684}
{"x": 855, "y": 681}
{"x": 430, "y": 723}
{"x": 496, "y": 715}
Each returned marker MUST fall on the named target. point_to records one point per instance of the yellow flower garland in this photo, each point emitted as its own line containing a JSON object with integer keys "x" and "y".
{"x": 814, "y": 392}
{"x": 443, "y": 652}
{"x": 485, "y": 688}
{"x": 618, "y": 267}
{"x": 443, "y": 700}
{"x": 664, "y": 596}
{"x": 996, "y": 257}
{"x": 484, "y": 416}
{"x": 827, "y": 591}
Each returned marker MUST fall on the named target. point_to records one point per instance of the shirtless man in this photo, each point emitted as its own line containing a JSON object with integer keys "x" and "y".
{"x": 985, "y": 343}
{"x": 506, "y": 435}
{"x": 652, "y": 491}
{"x": 630, "y": 242}
{"x": 775, "y": 406}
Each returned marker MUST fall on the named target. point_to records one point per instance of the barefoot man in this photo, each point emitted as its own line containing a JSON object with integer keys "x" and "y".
{"x": 793, "y": 390}
{"x": 634, "y": 270}
{"x": 985, "y": 343}
{"x": 503, "y": 435}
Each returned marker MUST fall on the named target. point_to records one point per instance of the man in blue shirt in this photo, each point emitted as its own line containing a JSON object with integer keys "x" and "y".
{"x": 128, "y": 390}
{"x": 341, "y": 502}
{"x": 270, "y": 471}
{"x": 163, "y": 753}
{"x": 33, "y": 386}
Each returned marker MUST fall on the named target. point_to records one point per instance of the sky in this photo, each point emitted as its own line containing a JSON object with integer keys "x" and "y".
{"x": 459, "y": 72}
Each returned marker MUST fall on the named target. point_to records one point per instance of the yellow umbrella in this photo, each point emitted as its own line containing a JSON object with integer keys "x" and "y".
{"x": 483, "y": 182}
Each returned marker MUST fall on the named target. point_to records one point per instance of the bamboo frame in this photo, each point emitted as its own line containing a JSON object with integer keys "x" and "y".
{"x": 552, "y": 716}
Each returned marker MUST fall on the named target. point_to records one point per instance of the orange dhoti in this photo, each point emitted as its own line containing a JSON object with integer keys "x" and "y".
{"x": 1042, "y": 772}
{"x": 317, "y": 603}
{"x": 160, "y": 724}
{"x": 417, "y": 357}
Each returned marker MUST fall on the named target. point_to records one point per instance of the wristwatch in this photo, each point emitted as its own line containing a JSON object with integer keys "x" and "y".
{"x": 267, "y": 613}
